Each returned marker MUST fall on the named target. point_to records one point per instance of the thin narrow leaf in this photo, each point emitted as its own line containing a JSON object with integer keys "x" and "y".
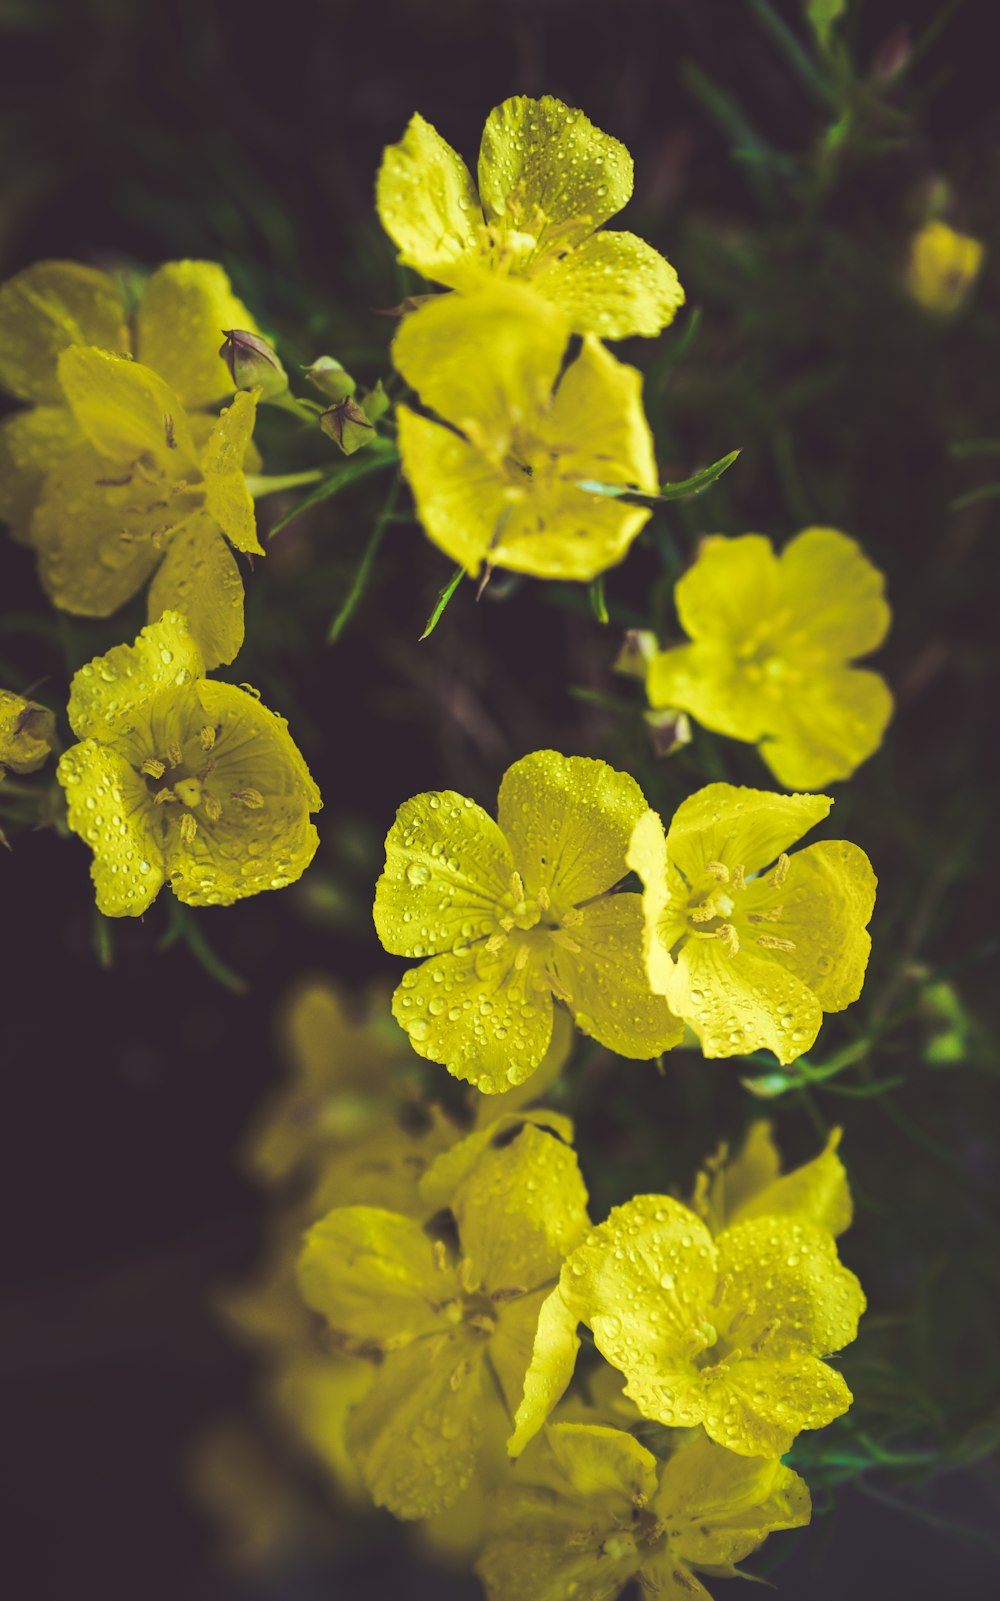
{"x": 598, "y": 601}
{"x": 676, "y": 350}
{"x": 365, "y": 568}
{"x": 685, "y": 489}
{"x": 373, "y": 459}
{"x": 442, "y": 601}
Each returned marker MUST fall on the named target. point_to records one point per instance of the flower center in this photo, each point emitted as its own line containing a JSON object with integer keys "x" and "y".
{"x": 178, "y": 781}
{"x": 716, "y": 909}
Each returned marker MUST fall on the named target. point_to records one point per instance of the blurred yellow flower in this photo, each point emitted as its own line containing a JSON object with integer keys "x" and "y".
{"x": 516, "y": 915}
{"x": 181, "y": 779}
{"x": 27, "y": 733}
{"x": 591, "y": 1509}
{"x": 773, "y": 642}
{"x": 55, "y": 304}
{"x": 548, "y": 180}
{"x": 501, "y": 484}
{"x": 751, "y": 946}
{"x": 139, "y": 497}
{"x": 751, "y": 1184}
{"x": 943, "y": 266}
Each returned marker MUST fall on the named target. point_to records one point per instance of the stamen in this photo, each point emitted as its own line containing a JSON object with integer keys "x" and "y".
{"x": 572, "y": 917}
{"x": 483, "y": 1324}
{"x": 521, "y": 958}
{"x": 207, "y": 737}
{"x": 153, "y": 767}
{"x": 174, "y": 754}
{"x": 494, "y": 943}
{"x": 730, "y": 939}
{"x": 771, "y": 942}
{"x": 544, "y": 899}
{"x": 252, "y": 799}
{"x": 739, "y": 882}
{"x": 510, "y": 1292}
{"x": 779, "y": 871}
{"x": 773, "y": 916}
{"x": 559, "y": 990}
{"x": 189, "y": 828}
{"x": 506, "y": 923}
{"x": 560, "y": 937}
{"x": 517, "y": 886}
{"x": 467, "y": 1275}
{"x": 440, "y": 1255}
{"x": 718, "y": 871}
{"x": 704, "y": 912}
{"x": 213, "y": 808}
{"x": 163, "y": 796}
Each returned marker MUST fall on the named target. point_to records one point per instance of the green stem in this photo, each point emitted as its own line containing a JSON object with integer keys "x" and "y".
{"x": 365, "y": 567}
{"x": 260, "y": 484}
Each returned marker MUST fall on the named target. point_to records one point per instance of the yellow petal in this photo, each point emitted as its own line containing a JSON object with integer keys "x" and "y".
{"x": 664, "y": 896}
{"x": 374, "y": 1277}
{"x": 730, "y": 589}
{"x": 739, "y": 827}
{"x": 606, "y": 982}
{"x": 416, "y": 1434}
{"x": 459, "y": 494}
{"x": 556, "y": 160}
{"x": 488, "y": 1108}
{"x": 427, "y": 202}
{"x": 455, "y": 1165}
{"x": 826, "y": 726}
{"x": 199, "y": 578}
{"x": 835, "y": 594}
{"x": 553, "y": 1359}
{"x": 810, "y": 1300}
{"x": 108, "y": 806}
{"x": 108, "y": 693}
{"x": 184, "y": 309}
{"x": 484, "y": 361}
{"x": 724, "y": 1187}
{"x": 762, "y": 1404}
{"x": 32, "y": 443}
{"x": 227, "y": 497}
{"x": 825, "y": 906}
{"x": 612, "y": 285}
{"x": 569, "y": 820}
{"x": 943, "y": 266}
{"x": 43, "y": 311}
{"x": 317, "y": 1396}
{"x": 817, "y": 1192}
{"x": 522, "y": 1208}
{"x": 718, "y": 1507}
{"x": 485, "y": 1020}
{"x": 127, "y": 410}
{"x": 742, "y": 1003}
{"x": 706, "y": 680}
{"x": 447, "y": 868}
{"x": 560, "y": 531}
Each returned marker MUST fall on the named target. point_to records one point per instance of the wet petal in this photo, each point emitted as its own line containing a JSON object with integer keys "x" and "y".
{"x": 375, "y": 1277}
{"x": 447, "y": 868}
{"x": 459, "y": 493}
{"x": 484, "y": 1019}
{"x": 427, "y": 202}
{"x": 739, "y": 827}
{"x": 455, "y": 1165}
{"x": 835, "y": 595}
{"x": 783, "y": 1276}
{"x": 569, "y": 820}
{"x": 817, "y": 1192}
{"x": 555, "y": 159}
{"x": 126, "y": 410}
{"x": 32, "y": 443}
{"x": 718, "y": 1506}
{"x": 559, "y": 531}
{"x": 664, "y": 898}
{"x": 108, "y": 806}
{"x": 44, "y": 310}
{"x": 199, "y": 578}
{"x": 522, "y": 1208}
{"x": 825, "y": 726}
{"x": 763, "y": 1404}
{"x": 742, "y": 1003}
{"x": 612, "y": 285}
{"x": 222, "y": 460}
{"x": 184, "y": 308}
{"x": 109, "y": 691}
{"x": 487, "y": 1108}
{"x": 416, "y": 1435}
{"x": 823, "y": 907}
{"x": 553, "y": 1359}
{"x": 725, "y": 1186}
{"x": 605, "y": 979}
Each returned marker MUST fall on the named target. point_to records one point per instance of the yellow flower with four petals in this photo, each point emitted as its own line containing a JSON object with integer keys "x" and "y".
{"x": 516, "y": 915}
{"x": 548, "y": 180}
{"x": 180, "y": 779}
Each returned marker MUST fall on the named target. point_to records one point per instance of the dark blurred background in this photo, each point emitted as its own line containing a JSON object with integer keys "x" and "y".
{"x": 133, "y": 133}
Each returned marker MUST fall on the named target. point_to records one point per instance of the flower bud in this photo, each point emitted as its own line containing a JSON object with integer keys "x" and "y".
{"x": 375, "y": 402}
{"x": 329, "y": 377}
{"x": 27, "y": 733}
{"x": 669, "y": 730}
{"x": 253, "y": 364}
{"x": 348, "y": 426}
{"x": 942, "y": 268}
{"x": 638, "y": 649}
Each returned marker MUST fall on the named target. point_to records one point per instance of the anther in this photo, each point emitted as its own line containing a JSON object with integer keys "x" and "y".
{"x": 572, "y": 917}
{"x": 213, "y": 808}
{"x": 494, "y": 943}
{"x": 718, "y": 871}
{"x": 163, "y": 797}
{"x": 440, "y": 1255}
{"x": 704, "y": 912}
{"x": 206, "y": 737}
{"x": 544, "y": 899}
{"x": 771, "y": 942}
{"x": 729, "y": 937}
{"x": 521, "y": 958}
{"x": 252, "y": 799}
{"x": 773, "y": 916}
{"x": 739, "y": 882}
{"x": 467, "y": 1275}
{"x": 509, "y": 1292}
{"x": 153, "y": 767}
{"x": 567, "y": 943}
{"x": 517, "y": 886}
{"x": 779, "y": 872}
{"x": 189, "y": 828}
{"x": 174, "y": 754}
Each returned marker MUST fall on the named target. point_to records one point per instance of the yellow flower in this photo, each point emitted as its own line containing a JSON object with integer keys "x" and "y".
{"x": 942, "y": 267}
{"x": 726, "y": 1332}
{"x": 140, "y": 497}
{"x": 27, "y": 733}
{"x": 548, "y": 180}
{"x": 592, "y": 1509}
{"x": 516, "y": 914}
{"x": 773, "y": 640}
{"x": 450, "y": 1318}
{"x": 55, "y": 304}
{"x": 749, "y": 945}
{"x": 752, "y": 1184}
{"x": 504, "y": 489}
{"x": 177, "y": 778}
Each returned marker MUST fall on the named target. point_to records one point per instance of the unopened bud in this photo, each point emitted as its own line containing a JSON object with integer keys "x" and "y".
{"x": 638, "y": 649}
{"x": 348, "y": 426}
{"x": 893, "y": 55}
{"x": 669, "y": 730}
{"x": 253, "y": 364}
{"x": 375, "y": 402}
{"x": 27, "y": 733}
{"x": 331, "y": 379}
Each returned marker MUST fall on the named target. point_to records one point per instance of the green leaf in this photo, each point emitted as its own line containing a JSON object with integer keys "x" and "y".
{"x": 442, "y": 601}
{"x": 683, "y": 490}
{"x": 380, "y": 454}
